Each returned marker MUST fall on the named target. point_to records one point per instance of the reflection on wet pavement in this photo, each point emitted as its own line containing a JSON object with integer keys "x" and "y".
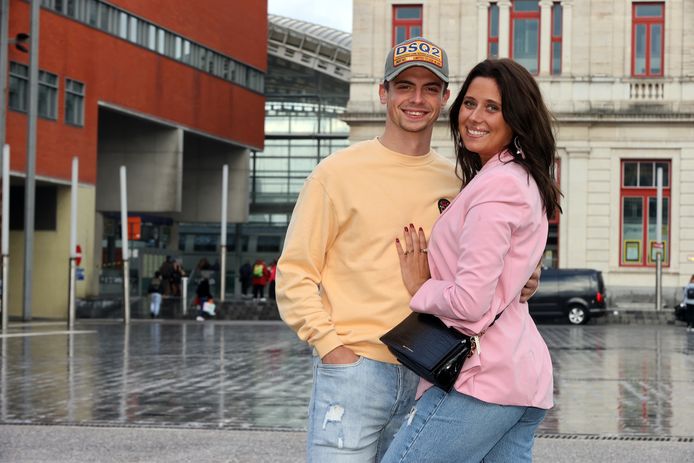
{"x": 609, "y": 379}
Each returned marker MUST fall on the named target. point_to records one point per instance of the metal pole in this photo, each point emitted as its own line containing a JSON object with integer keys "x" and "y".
{"x": 73, "y": 243}
{"x": 4, "y": 42}
{"x": 30, "y": 182}
{"x": 124, "y": 245}
{"x": 4, "y": 31}
{"x": 223, "y": 238}
{"x": 659, "y": 240}
{"x": 5, "y": 235}
{"x": 184, "y": 296}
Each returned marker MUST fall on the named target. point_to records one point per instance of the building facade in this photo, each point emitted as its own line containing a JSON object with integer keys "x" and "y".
{"x": 619, "y": 77}
{"x": 173, "y": 90}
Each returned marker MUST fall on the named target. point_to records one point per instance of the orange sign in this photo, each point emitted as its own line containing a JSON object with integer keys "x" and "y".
{"x": 134, "y": 228}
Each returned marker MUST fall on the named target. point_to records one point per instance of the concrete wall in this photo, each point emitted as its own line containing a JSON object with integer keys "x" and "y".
{"x": 202, "y": 183}
{"x": 153, "y": 155}
{"x": 51, "y": 259}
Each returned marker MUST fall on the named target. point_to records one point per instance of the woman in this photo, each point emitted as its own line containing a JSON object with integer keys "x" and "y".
{"x": 483, "y": 249}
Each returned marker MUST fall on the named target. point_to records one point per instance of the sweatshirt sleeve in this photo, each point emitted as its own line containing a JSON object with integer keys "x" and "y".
{"x": 472, "y": 301}
{"x": 311, "y": 232}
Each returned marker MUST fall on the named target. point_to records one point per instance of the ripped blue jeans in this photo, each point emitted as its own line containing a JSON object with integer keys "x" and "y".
{"x": 356, "y": 409}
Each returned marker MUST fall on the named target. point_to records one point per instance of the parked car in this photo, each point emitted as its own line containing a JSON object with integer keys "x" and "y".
{"x": 573, "y": 294}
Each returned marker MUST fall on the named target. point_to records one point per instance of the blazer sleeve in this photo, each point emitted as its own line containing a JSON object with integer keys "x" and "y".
{"x": 311, "y": 232}
{"x": 472, "y": 301}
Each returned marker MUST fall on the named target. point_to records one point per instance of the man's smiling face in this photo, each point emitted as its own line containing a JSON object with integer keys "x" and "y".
{"x": 414, "y": 99}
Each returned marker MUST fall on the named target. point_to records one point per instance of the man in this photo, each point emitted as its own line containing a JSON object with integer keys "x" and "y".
{"x": 338, "y": 280}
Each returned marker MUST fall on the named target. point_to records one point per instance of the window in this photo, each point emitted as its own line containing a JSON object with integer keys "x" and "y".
{"x": 638, "y": 202}
{"x": 493, "y": 31}
{"x": 48, "y": 95}
{"x": 525, "y": 34}
{"x": 407, "y": 22}
{"x": 123, "y": 25}
{"x": 74, "y": 102}
{"x": 134, "y": 26}
{"x": 151, "y": 37}
{"x": 18, "y": 98}
{"x": 647, "y": 39}
{"x": 555, "y": 58}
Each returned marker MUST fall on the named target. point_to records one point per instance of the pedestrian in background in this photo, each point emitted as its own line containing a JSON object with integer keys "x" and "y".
{"x": 689, "y": 304}
{"x": 166, "y": 271}
{"x": 203, "y": 295}
{"x": 177, "y": 275}
{"x": 155, "y": 290}
{"x": 260, "y": 277}
{"x": 245, "y": 273}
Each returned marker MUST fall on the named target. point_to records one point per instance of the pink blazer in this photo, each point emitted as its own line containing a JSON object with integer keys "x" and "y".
{"x": 483, "y": 249}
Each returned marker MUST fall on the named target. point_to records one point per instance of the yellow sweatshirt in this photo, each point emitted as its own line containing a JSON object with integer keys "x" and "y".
{"x": 338, "y": 279}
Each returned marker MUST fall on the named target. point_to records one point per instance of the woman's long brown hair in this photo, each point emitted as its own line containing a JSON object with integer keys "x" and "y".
{"x": 525, "y": 112}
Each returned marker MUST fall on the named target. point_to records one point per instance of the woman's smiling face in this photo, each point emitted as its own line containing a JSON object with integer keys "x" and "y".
{"x": 481, "y": 121}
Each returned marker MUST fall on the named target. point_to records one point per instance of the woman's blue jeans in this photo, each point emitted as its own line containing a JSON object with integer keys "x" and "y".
{"x": 453, "y": 427}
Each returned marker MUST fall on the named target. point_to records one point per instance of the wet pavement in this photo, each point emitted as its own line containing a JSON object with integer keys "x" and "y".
{"x": 610, "y": 380}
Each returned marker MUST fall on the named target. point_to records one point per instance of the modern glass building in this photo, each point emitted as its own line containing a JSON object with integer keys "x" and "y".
{"x": 307, "y": 89}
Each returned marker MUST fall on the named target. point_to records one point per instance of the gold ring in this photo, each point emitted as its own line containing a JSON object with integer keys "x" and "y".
{"x": 406, "y": 253}
{"x": 425, "y": 250}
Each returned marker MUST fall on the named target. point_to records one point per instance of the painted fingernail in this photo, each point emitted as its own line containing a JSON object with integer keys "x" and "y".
{"x": 405, "y": 228}
{"x": 411, "y": 226}
{"x": 420, "y": 229}
{"x": 397, "y": 240}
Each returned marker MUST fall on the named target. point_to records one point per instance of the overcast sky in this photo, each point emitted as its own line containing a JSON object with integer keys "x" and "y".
{"x": 332, "y": 13}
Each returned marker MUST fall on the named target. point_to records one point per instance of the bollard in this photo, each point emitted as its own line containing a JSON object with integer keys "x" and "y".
{"x": 184, "y": 296}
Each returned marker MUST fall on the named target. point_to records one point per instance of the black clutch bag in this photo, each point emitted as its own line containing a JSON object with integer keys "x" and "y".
{"x": 425, "y": 345}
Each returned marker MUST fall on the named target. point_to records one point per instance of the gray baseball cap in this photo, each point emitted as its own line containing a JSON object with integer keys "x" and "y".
{"x": 416, "y": 51}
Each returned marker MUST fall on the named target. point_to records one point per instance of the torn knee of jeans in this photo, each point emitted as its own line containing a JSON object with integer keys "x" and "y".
{"x": 334, "y": 415}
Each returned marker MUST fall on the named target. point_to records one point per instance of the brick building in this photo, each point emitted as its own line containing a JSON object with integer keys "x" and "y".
{"x": 171, "y": 89}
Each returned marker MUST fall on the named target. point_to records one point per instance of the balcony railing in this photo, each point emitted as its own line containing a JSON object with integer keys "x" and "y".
{"x": 647, "y": 90}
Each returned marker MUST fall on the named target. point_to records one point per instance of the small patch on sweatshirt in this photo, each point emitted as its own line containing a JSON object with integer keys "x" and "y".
{"x": 443, "y": 204}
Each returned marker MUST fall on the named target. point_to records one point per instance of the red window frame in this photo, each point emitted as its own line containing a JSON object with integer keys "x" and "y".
{"x": 644, "y": 193}
{"x": 556, "y": 9}
{"x": 525, "y": 15}
{"x": 408, "y": 24}
{"x": 492, "y": 39}
{"x": 649, "y": 22}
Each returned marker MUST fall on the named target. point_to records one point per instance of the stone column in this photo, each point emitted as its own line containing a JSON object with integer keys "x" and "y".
{"x": 567, "y": 10}
{"x": 504, "y": 28}
{"x": 545, "y": 36}
{"x": 575, "y": 213}
{"x": 483, "y": 28}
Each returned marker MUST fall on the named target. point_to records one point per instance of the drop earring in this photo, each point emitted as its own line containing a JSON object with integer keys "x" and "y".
{"x": 519, "y": 150}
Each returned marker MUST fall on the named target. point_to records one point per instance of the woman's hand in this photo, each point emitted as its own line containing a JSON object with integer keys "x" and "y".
{"x": 413, "y": 259}
{"x": 531, "y": 286}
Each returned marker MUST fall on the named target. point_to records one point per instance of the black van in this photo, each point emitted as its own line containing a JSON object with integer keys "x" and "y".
{"x": 574, "y": 294}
